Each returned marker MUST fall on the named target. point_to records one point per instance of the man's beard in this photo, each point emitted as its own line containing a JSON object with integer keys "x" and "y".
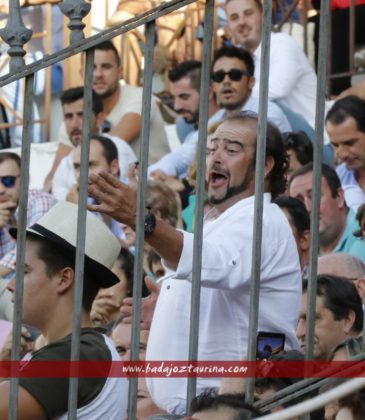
{"x": 109, "y": 92}
{"x": 192, "y": 118}
{"x": 232, "y": 191}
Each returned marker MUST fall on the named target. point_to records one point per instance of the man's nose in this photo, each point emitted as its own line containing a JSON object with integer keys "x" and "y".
{"x": 177, "y": 105}
{"x": 342, "y": 152}
{"x": 308, "y": 204}
{"x": 300, "y": 332}
{"x": 97, "y": 71}
{"x": 11, "y": 285}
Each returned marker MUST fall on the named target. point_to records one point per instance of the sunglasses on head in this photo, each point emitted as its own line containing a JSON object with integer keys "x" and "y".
{"x": 234, "y": 74}
{"x": 8, "y": 180}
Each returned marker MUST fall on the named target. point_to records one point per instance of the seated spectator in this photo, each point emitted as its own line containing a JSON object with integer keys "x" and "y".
{"x": 298, "y": 218}
{"x": 103, "y": 156}
{"x": 232, "y": 82}
{"x": 39, "y": 203}
{"x": 122, "y": 104}
{"x": 107, "y": 302}
{"x": 48, "y": 305}
{"x": 213, "y": 406}
{"x": 337, "y": 221}
{"x": 346, "y": 266}
{"x": 299, "y": 148}
{"x": 345, "y": 123}
{"x": 121, "y": 334}
{"x": 339, "y": 314}
{"x": 61, "y": 176}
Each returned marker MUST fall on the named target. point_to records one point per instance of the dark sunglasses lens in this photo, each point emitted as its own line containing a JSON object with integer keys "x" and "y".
{"x": 218, "y": 76}
{"x": 235, "y": 75}
{"x": 8, "y": 181}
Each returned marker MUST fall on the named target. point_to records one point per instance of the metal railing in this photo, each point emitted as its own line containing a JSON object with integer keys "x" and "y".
{"x": 16, "y": 35}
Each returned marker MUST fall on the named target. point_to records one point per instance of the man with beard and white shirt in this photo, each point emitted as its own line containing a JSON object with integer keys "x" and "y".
{"x": 122, "y": 103}
{"x": 232, "y": 96}
{"x": 226, "y": 257}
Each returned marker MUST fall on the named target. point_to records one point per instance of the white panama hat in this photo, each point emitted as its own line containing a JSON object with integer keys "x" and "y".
{"x": 59, "y": 226}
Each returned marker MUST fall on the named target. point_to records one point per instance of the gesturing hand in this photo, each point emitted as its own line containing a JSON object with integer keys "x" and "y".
{"x": 147, "y": 306}
{"x": 114, "y": 198}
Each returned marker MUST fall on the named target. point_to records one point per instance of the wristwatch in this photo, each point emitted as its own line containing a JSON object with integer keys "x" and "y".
{"x": 149, "y": 222}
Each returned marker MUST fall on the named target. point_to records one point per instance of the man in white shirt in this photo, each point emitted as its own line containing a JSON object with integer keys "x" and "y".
{"x": 292, "y": 81}
{"x": 345, "y": 124}
{"x": 73, "y": 107}
{"x": 122, "y": 103}
{"x": 226, "y": 257}
{"x": 232, "y": 96}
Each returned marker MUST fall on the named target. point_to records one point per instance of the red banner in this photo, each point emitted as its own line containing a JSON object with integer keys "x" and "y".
{"x": 183, "y": 369}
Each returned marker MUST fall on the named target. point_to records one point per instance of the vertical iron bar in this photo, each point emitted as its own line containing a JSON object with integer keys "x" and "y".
{"x": 316, "y": 183}
{"x": 200, "y": 193}
{"x": 141, "y": 205}
{"x": 81, "y": 231}
{"x": 20, "y": 243}
{"x": 317, "y": 174}
{"x": 259, "y": 192}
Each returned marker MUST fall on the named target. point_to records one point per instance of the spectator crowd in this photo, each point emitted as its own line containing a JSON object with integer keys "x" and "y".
{"x": 169, "y": 226}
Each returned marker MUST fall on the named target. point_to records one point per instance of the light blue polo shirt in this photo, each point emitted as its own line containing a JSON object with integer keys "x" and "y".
{"x": 348, "y": 243}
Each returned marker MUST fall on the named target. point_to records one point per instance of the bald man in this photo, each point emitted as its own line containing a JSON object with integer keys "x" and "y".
{"x": 344, "y": 265}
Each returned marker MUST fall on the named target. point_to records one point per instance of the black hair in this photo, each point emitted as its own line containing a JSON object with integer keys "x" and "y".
{"x": 107, "y": 46}
{"x": 10, "y": 156}
{"x": 235, "y": 52}
{"x": 360, "y": 214}
{"x": 301, "y": 144}
{"x": 349, "y": 107}
{"x": 125, "y": 261}
{"x": 211, "y": 400}
{"x": 328, "y": 173}
{"x": 55, "y": 260}
{"x": 257, "y": 2}
{"x": 298, "y": 214}
{"x": 340, "y": 296}
{"x": 110, "y": 150}
{"x": 190, "y": 69}
{"x": 74, "y": 94}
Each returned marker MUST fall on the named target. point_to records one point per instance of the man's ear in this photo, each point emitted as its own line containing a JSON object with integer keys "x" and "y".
{"x": 360, "y": 287}
{"x": 251, "y": 82}
{"x": 269, "y": 164}
{"x": 120, "y": 72}
{"x": 114, "y": 167}
{"x": 349, "y": 322}
{"x": 304, "y": 240}
{"x": 341, "y": 198}
{"x": 67, "y": 277}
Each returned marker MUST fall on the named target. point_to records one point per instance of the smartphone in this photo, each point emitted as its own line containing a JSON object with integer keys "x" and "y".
{"x": 269, "y": 343}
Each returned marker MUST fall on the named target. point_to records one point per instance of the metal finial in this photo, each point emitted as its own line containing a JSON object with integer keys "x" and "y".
{"x": 75, "y": 10}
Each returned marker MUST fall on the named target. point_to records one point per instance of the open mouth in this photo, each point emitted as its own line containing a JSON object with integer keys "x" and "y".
{"x": 217, "y": 179}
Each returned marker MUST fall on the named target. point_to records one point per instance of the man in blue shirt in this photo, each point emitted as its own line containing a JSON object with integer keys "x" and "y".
{"x": 337, "y": 221}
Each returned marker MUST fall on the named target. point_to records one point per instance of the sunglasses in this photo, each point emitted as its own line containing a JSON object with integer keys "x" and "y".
{"x": 234, "y": 74}
{"x": 8, "y": 180}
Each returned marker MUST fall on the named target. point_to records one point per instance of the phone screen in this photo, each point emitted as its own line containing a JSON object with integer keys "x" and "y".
{"x": 269, "y": 343}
